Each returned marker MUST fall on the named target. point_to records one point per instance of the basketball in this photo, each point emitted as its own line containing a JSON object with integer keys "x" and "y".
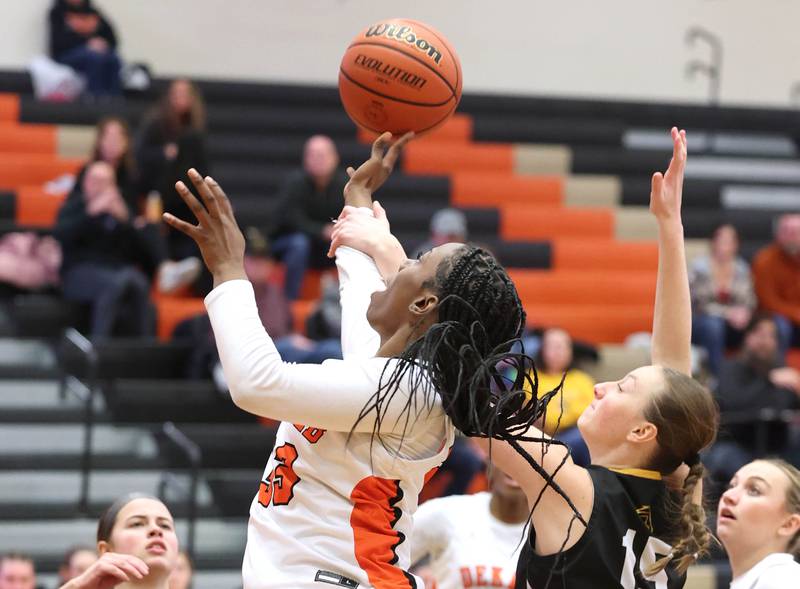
{"x": 400, "y": 75}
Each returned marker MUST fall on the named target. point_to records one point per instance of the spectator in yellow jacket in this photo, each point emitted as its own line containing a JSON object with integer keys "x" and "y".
{"x": 554, "y": 359}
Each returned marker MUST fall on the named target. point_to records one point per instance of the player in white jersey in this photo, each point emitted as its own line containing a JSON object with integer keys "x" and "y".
{"x": 758, "y": 523}
{"x": 359, "y": 435}
{"x": 473, "y": 541}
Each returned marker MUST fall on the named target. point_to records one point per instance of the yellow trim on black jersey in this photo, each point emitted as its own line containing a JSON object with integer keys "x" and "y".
{"x": 639, "y": 472}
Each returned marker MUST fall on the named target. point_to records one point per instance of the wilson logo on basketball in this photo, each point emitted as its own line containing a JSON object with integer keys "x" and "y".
{"x": 390, "y": 71}
{"x": 405, "y": 34}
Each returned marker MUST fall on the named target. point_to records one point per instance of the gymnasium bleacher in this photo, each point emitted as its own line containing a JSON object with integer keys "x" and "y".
{"x": 558, "y": 189}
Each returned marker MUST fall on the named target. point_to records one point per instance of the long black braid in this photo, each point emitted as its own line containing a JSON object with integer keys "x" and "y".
{"x": 466, "y": 358}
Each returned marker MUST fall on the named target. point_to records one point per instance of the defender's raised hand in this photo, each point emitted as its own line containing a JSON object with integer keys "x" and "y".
{"x": 666, "y": 192}
{"x": 373, "y": 173}
{"x": 217, "y": 234}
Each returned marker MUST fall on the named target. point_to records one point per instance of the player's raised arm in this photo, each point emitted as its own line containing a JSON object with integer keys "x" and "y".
{"x": 672, "y": 317}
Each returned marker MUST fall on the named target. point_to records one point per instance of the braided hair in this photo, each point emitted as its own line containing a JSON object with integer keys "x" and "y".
{"x": 466, "y": 358}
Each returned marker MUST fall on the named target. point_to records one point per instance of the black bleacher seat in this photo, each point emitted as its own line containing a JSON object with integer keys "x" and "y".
{"x": 650, "y": 114}
{"x": 236, "y": 445}
{"x": 141, "y": 400}
{"x": 275, "y": 149}
{"x": 702, "y": 194}
{"x": 8, "y": 206}
{"x": 46, "y": 315}
{"x": 234, "y": 492}
{"x": 129, "y": 358}
{"x": 537, "y": 129}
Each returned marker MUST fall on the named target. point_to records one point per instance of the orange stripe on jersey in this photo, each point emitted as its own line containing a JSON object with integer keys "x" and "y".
{"x": 373, "y": 519}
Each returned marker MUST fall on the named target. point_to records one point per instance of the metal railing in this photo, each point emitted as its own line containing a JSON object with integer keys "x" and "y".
{"x": 85, "y": 392}
{"x": 191, "y": 451}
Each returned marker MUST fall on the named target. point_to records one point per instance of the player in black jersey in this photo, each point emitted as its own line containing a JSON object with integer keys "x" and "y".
{"x": 624, "y": 527}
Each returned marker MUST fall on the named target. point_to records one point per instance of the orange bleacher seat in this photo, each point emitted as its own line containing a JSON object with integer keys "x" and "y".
{"x": 604, "y": 254}
{"x": 593, "y": 323}
{"x": 532, "y": 222}
{"x": 488, "y": 189}
{"x": 36, "y": 208}
{"x": 9, "y": 107}
{"x": 300, "y": 311}
{"x": 793, "y": 358}
{"x": 457, "y": 128}
{"x": 541, "y": 287}
{"x": 26, "y": 169}
{"x": 448, "y": 157}
{"x": 40, "y": 139}
{"x": 174, "y": 309}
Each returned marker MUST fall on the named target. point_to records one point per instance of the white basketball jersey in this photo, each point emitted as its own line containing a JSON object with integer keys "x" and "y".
{"x": 324, "y": 515}
{"x": 330, "y": 510}
{"x": 468, "y": 546}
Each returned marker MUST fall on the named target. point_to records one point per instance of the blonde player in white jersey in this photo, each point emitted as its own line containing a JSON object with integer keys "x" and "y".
{"x": 473, "y": 541}
{"x": 359, "y": 435}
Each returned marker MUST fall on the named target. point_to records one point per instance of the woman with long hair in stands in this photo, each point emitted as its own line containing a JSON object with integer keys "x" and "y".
{"x": 616, "y": 523}
{"x": 360, "y": 435}
{"x": 113, "y": 145}
{"x": 137, "y": 544}
{"x": 170, "y": 140}
{"x": 758, "y": 523}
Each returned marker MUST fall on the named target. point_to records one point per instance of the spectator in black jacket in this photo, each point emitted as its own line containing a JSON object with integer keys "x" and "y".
{"x": 310, "y": 200}
{"x": 753, "y": 389}
{"x": 82, "y": 38}
{"x": 113, "y": 145}
{"x": 170, "y": 141}
{"x": 107, "y": 255}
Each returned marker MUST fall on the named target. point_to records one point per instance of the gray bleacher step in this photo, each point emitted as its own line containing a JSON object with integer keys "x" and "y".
{"x": 68, "y": 439}
{"x": 26, "y": 359}
{"x": 18, "y": 393}
{"x": 39, "y": 401}
{"x": 16, "y": 511}
{"x": 23, "y": 461}
{"x": 53, "y": 487}
{"x": 741, "y": 169}
{"x": 760, "y": 198}
{"x": 216, "y": 539}
{"x": 723, "y": 142}
{"x": 201, "y": 579}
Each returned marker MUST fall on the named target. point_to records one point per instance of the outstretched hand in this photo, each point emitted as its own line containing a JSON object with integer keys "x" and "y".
{"x": 373, "y": 173}
{"x": 110, "y": 570}
{"x": 220, "y": 240}
{"x": 666, "y": 192}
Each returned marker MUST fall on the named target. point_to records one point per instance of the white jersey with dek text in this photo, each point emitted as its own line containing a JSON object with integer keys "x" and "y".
{"x": 329, "y": 511}
{"x": 467, "y": 545}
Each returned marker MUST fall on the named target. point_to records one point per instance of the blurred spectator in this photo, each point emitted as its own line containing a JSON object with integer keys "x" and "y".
{"x": 555, "y": 359}
{"x": 17, "y": 571}
{"x": 28, "y": 262}
{"x": 776, "y": 271}
{"x": 181, "y": 577}
{"x": 113, "y": 145}
{"x": 76, "y": 560}
{"x": 447, "y": 226}
{"x": 310, "y": 200}
{"x": 749, "y": 386}
{"x": 170, "y": 141}
{"x": 107, "y": 257}
{"x": 722, "y": 296}
{"x": 82, "y": 38}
